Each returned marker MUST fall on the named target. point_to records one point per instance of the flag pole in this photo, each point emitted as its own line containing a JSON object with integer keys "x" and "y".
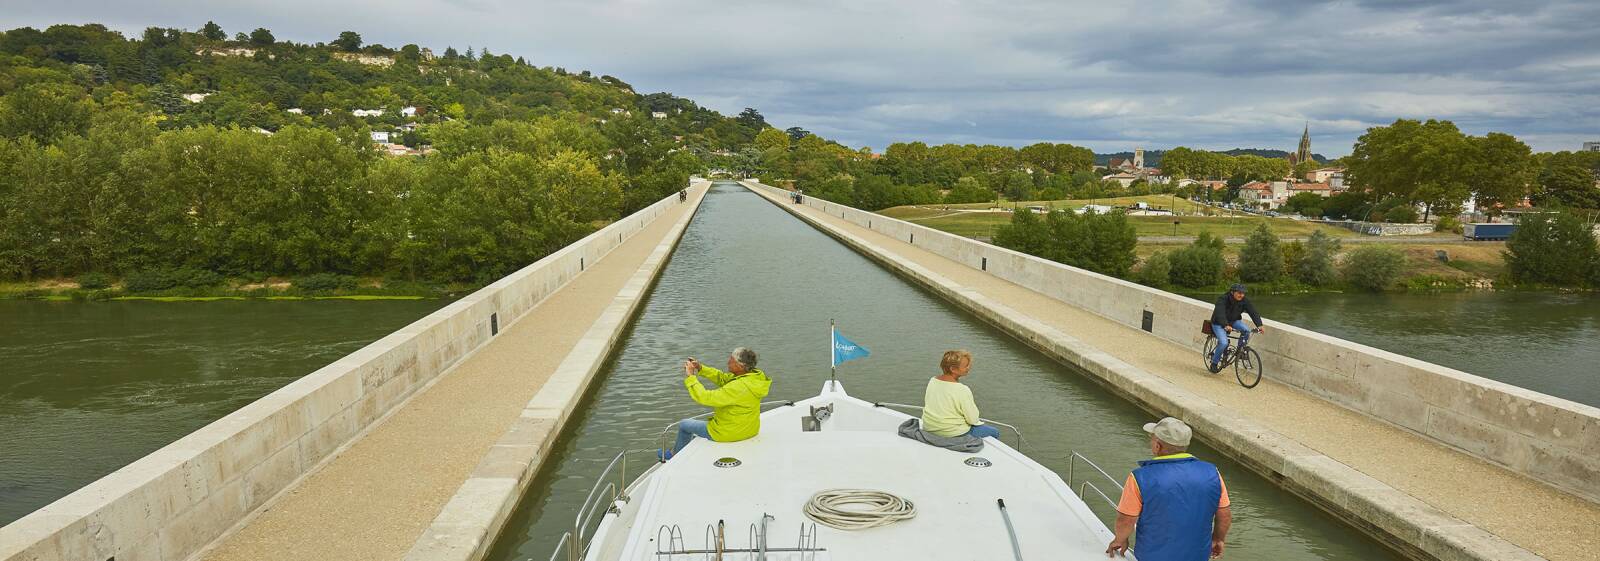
{"x": 833, "y": 355}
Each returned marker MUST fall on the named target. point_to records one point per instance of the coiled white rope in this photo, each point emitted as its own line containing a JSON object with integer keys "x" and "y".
{"x": 858, "y": 509}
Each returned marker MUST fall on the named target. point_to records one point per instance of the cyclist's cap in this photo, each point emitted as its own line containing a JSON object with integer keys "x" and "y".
{"x": 1170, "y": 431}
{"x": 1239, "y": 288}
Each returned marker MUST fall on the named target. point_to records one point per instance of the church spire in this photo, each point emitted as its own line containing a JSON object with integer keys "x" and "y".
{"x": 1303, "y": 154}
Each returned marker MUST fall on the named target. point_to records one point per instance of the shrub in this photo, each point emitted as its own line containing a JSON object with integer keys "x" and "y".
{"x": 1199, "y": 264}
{"x": 1315, "y": 266}
{"x": 94, "y": 281}
{"x": 1293, "y": 252}
{"x": 1373, "y": 267}
{"x": 1261, "y": 260}
{"x": 196, "y": 278}
{"x": 1448, "y": 224}
{"x": 1102, "y": 243}
{"x": 1402, "y": 214}
{"x": 324, "y": 282}
{"x": 149, "y": 281}
{"x": 968, "y": 190}
{"x": 1554, "y": 249}
{"x": 1156, "y": 270}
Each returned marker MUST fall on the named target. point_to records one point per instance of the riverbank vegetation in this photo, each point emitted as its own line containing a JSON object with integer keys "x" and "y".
{"x": 188, "y": 161}
{"x": 1554, "y": 250}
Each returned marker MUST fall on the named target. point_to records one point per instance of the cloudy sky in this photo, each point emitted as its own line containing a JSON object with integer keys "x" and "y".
{"x": 1156, "y": 74}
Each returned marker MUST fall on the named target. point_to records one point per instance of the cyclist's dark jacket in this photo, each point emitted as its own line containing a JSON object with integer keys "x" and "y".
{"x": 1228, "y": 310}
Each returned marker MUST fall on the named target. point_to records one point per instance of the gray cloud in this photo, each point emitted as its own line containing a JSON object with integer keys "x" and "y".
{"x": 1233, "y": 73}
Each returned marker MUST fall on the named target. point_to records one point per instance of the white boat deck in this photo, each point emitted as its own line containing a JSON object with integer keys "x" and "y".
{"x": 957, "y": 516}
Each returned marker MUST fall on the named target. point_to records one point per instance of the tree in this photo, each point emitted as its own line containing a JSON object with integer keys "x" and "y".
{"x": 752, "y": 119}
{"x": 1261, "y": 260}
{"x": 1552, "y": 248}
{"x": 451, "y": 54}
{"x": 262, "y": 37}
{"x": 1304, "y": 204}
{"x": 1503, "y": 171}
{"x": 1373, "y": 267}
{"x": 967, "y": 190}
{"x": 1198, "y": 264}
{"x": 1428, "y": 163}
{"x": 45, "y": 112}
{"x": 796, "y": 133}
{"x": 1156, "y": 271}
{"x": 1569, "y": 179}
{"x": 213, "y": 31}
{"x": 1315, "y": 266}
{"x": 348, "y": 41}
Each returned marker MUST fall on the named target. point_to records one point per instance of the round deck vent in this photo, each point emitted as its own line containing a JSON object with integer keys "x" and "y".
{"x": 977, "y": 462}
{"x": 727, "y": 462}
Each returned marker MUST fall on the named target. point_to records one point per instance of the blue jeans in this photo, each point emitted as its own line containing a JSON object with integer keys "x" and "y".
{"x": 1222, "y": 339}
{"x": 687, "y": 430}
{"x": 981, "y": 431}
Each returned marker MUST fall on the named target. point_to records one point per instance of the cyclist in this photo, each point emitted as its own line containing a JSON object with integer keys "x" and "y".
{"x": 1227, "y": 317}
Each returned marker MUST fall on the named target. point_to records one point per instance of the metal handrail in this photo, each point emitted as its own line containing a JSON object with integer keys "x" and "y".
{"x": 1072, "y": 463}
{"x": 1021, "y": 441}
{"x": 667, "y": 429}
{"x": 1097, "y": 491}
{"x": 564, "y": 538}
{"x": 610, "y": 491}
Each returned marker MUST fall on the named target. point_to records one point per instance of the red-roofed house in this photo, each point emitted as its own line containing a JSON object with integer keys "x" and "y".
{"x": 1321, "y": 189}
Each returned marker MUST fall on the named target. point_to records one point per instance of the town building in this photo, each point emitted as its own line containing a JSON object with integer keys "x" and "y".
{"x": 367, "y": 112}
{"x": 1124, "y": 178}
{"x": 1321, "y": 175}
{"x": 658, "y": 115}
{"x": 380, "y": 137}
{"x": 1591, "y": 146}
{"x": 408, "y": 111}
{"x": 1320, "y": 189}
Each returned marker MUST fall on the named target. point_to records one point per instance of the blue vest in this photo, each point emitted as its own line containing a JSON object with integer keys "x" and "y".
{"x": 1180, "y": 499}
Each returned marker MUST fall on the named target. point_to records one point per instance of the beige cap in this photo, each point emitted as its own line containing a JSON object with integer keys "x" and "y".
{"x": 1171, "y": 431}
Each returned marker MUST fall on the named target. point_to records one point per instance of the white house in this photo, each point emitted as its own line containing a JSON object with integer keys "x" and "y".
{"x": 296, "y": 110}
{"x": 1125, "y": 179}
{"x": 409, "y": 111}
{"x": 368, "y": 112}
{"x": 658, "y": 115}
{"x": 195, "y": 97}
{"x": 380, "y": 137}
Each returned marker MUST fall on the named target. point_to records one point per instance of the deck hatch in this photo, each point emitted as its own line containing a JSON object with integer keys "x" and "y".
{"x": 977, "y": 462}
{"x": 727, "y": 462}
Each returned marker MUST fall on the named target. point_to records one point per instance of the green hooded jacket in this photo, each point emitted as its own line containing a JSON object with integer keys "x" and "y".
{"x": 736, "y": 403}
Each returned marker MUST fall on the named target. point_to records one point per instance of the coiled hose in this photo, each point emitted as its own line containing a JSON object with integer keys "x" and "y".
{"x": 858, "y": 509}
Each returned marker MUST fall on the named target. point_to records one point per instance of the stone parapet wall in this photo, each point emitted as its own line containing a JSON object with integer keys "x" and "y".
{"x": 1547, "y": 438}
{"x": 177, "y": 500}
{"x": 1381, "y": 228}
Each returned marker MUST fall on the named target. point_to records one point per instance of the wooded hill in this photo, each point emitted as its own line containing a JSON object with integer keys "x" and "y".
{"x": 192, "y": 152}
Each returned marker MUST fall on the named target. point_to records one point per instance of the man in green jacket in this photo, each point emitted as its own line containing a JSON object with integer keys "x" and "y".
{"x": 736, "y": 403}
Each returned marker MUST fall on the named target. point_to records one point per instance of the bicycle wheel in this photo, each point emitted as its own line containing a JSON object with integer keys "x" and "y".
{"x": 1205, "y": 355}
{"x": 1247, "y": 367}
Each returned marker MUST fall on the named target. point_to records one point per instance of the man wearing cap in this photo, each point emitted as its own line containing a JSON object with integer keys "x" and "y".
{"x": 1229, "y": 316}
{"x": 1168, "y": 498}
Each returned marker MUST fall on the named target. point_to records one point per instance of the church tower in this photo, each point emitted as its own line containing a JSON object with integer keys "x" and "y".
{"x": 1138, "y": 158}
{"x": 1303, "y": 154}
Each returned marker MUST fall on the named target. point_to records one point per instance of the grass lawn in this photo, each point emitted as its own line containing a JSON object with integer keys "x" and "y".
{"x": 984, "y": 224}
{"x": 1158, "y": 201}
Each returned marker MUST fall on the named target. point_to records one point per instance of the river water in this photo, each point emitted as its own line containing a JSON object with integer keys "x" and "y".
{"x": 1542, "y": 341}
{"x": 86, "y": 388}
{"x": 748, "y": 274}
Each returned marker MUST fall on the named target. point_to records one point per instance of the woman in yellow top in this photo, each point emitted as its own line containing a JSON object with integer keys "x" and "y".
{"x": 947, "y": 406}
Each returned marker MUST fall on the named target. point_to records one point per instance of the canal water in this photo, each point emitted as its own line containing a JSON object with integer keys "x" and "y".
{"x": 749, "y": 274}
{"x": 1542, "y": 341}
{"x": 86, "y": 388}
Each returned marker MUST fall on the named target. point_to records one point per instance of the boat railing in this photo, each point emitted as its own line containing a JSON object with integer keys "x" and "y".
{"x": 670, "y": 546}
{"x": 1014, "y": 430}
{"x": 605, "y": 491}
{"x": 661, "y": 438}
{"x": 1072, "y": 464}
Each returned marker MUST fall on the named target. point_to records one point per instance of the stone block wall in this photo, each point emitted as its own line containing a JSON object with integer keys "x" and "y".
{"x": 175, "y": 501}
{"x": 1544, "y": 437}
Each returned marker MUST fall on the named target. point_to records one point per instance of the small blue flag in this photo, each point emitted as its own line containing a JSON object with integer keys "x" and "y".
{"x": 845, "y": 349}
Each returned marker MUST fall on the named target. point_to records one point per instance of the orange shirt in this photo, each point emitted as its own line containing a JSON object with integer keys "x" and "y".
{"x": 1132, "y": 504}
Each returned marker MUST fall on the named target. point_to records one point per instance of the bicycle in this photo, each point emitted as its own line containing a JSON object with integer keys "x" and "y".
{"x": 1246, "y": 361}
